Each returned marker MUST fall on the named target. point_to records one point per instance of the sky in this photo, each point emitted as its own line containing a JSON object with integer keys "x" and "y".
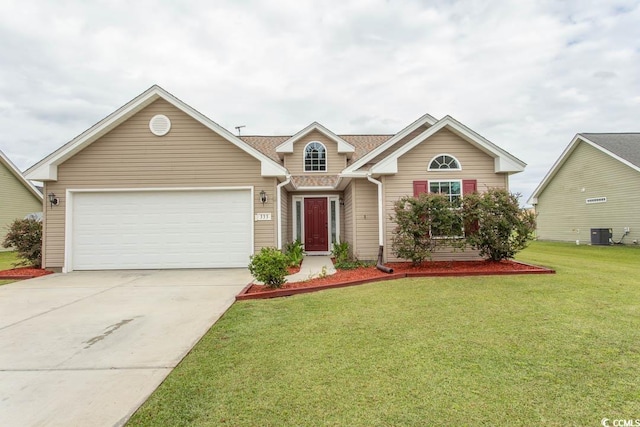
{"x": 527, "y": 75}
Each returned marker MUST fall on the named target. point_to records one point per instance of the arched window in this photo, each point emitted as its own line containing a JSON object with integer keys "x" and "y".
{"x": 444, "y": 162}
{"x": 315, "y": 157}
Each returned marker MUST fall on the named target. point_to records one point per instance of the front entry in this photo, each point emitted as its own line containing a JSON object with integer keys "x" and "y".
{"x": 315, "y": 225}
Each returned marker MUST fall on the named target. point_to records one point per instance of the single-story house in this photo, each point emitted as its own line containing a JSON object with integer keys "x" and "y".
{"x": 157, "y": 184}
{"x": 592, "y": 191}
{"x": 18, "y": 197}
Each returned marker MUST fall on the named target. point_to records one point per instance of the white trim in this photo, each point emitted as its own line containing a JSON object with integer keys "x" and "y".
{"x": 47, "y": 168}
{"x": 380, "y": 210}
{"x": 343, "y": 146}
{"x": 426, "y": 119}
{"x": 294, "y": 223}
{"x": 429, "y": 181}
{"x": 15, "y": 171}
{"x": 279, "y": 208}
{"x": 533, "y": 200}
{"x": 504, "y": 162}
{"x": 326, "y": 158}
{"x": 67, "y": 266}
{"x": 459, "y": 168}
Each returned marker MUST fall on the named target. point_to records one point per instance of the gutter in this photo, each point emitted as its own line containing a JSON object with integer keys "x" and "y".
{"x": 279, "y": 208}
{"x": 379, "y": 264}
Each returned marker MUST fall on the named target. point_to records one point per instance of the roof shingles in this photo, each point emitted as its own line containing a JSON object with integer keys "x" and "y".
{"x": 623, "y": 145}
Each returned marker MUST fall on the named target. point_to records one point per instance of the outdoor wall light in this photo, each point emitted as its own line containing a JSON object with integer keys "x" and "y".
{"x": 341, "y": 201}
{"x": 263, "y": 197}
{"x": 53, "y": 199}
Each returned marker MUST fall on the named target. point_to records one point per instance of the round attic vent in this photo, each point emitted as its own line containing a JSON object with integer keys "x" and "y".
{"x": 160, "y": 125}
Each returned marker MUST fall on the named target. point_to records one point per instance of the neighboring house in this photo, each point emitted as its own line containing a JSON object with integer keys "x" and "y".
{"x": 18, "y": 197}
{"x": 595, "y": 184}
{"x": 158, "y": 185}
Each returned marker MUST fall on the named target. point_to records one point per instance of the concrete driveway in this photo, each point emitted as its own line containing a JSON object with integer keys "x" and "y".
{"x": 88, "y": 348}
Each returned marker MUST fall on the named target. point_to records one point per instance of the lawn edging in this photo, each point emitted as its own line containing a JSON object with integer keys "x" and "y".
{"x": 276, "y": 293}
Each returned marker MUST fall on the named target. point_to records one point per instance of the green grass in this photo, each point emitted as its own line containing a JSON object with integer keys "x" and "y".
{"x": 7, "y": 261}
{"x": 556, "y": 350}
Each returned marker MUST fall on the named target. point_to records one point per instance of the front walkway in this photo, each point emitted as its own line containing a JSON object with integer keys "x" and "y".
{"x": 313, "y": 266}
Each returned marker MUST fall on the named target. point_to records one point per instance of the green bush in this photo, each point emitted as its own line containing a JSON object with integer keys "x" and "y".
{"x": 341, "y": 252}
{"x": 424, "y": 224}
{"x": 295, "y": 254}
{"x": 270, "y": 267}
{"x": 500, "y": 227}
{"x": 25, "y": 235}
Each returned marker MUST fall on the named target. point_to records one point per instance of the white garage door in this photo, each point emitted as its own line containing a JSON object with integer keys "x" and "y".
{"x": 161, "y": 229}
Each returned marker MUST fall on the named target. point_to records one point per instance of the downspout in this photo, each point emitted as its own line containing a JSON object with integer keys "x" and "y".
{"x": 379, "y": 265}
{"x": 279, "y": 208}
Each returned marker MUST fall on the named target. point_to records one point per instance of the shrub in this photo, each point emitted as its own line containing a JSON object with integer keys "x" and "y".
{"x": 295, "y": 254}
{"x": 25, "y": 235}
{"x": 341, "y": 252}
{"x": 425, "y": 223}
{"x": 500, "y": 227}
{"x": 270, "y": 267}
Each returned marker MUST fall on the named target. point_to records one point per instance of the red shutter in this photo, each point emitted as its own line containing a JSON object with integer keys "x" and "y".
{"x": 419, "y": 187}
{"x": 468, "y": 186}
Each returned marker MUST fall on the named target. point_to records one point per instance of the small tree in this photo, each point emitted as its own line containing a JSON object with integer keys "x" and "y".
{"x": 500, "y": 228}
{"x": 25, "y": 235}
{"x": 425, "y": 223}
{"x": 270, "y": 267}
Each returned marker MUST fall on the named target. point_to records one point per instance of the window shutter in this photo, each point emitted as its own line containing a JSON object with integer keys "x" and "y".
{"x": 468, "y": 186}
{"x": 419, "y": 187}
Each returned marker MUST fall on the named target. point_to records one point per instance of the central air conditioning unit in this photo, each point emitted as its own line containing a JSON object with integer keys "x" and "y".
{"x": 601, "y": 236}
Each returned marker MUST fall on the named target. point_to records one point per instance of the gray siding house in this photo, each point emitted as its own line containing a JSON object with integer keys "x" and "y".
{"x": 595, "y": 184}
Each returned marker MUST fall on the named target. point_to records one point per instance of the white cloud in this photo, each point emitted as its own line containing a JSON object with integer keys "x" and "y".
{"x": 527, "y": 74}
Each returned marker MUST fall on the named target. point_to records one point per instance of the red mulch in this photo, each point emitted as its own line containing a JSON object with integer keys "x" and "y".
{"x": 294, "y": 270}
{"x": 23, "y": 273}
{"x": 406, "y": 269}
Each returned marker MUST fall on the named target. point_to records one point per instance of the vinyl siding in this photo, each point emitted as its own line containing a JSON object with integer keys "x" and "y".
{"x": 16, "y": 200}
{"x": 130, "y": 156}
{"x": 413, "y": 166}
{"x": 397, "y": 145}
{"x": 294, "y": 162}
{"x": 284, "y": 208}
{"x": 347, "y": 235}
{"x": 563, "y": 213}
{"x": 365, "y": 216}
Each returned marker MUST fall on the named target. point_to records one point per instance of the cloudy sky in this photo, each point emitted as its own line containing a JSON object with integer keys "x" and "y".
{"x": 527, "y": 75}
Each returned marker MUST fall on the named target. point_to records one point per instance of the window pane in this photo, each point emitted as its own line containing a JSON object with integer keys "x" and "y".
{"x": 333, "y": 222}
{"x": 298, "y": 235}
{"x": 455, "y": 187}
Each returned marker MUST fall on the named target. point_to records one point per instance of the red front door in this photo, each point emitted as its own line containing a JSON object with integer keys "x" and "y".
{"x": 315, "y": 225}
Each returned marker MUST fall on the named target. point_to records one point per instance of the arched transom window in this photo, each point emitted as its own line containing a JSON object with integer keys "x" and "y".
{"x": 315, "y": 157}
{"x": 444, "y": 162}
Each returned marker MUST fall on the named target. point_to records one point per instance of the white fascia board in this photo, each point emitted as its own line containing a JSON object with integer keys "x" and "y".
{"x": 426, "y": 119}
{"x": 554, "y": 169}
{"x": 343, "y": 146}
{"x": 46, "y": 169}
{"x": 504, "y": 162}
{"x": 19, "y": 176}
{"x": 362, "y": 174}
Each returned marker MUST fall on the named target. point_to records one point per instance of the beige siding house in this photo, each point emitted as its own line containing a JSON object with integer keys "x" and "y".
{"x": 594, "y": 185}
{"x": 18, "y": 197}
{"x": 158, "y": 185}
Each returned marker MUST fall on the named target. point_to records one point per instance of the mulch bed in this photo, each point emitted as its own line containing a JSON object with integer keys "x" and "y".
{"x": 358, "y": 276}
{"x": 21, "y": 273}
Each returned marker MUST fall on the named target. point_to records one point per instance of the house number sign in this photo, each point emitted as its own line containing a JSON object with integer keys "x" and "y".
{"x": 263, "y": 217}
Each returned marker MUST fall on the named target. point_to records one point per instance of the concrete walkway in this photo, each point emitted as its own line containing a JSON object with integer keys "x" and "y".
{"x": 313, "y": 266}
{"x": 87, "y": 348}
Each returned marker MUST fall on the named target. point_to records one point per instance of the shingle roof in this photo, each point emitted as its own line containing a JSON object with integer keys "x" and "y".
{"x": 362, "y": 143}
{"x": 623, "y": 145}
{"x": 314, "y": 180}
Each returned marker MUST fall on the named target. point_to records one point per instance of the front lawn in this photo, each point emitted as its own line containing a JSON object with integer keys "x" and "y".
{"x": 7, "y": 261}
{"x": 500, "y": 350}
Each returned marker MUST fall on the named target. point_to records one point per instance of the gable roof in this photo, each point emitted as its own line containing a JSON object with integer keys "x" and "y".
{"x": 343, "y": 146}
{"x": 426, "y": 119}
{"x": 624, "y": 147}
{"x": 47, "y": 168}
{"x": 503, "y": 161}
{"x": 4, "y": 160}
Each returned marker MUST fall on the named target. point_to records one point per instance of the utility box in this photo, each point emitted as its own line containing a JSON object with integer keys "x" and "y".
{"x": 601, "y": 236}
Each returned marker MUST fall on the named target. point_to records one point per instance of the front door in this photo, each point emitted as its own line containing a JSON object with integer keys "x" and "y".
{"x": 315, "y": 225}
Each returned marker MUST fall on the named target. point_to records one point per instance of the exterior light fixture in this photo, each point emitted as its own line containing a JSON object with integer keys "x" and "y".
{"x": 53, "y": 199}
{"x": 263, "y": 197}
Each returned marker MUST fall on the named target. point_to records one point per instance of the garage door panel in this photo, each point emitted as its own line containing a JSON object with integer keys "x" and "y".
{"x": 161, "y": 229}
